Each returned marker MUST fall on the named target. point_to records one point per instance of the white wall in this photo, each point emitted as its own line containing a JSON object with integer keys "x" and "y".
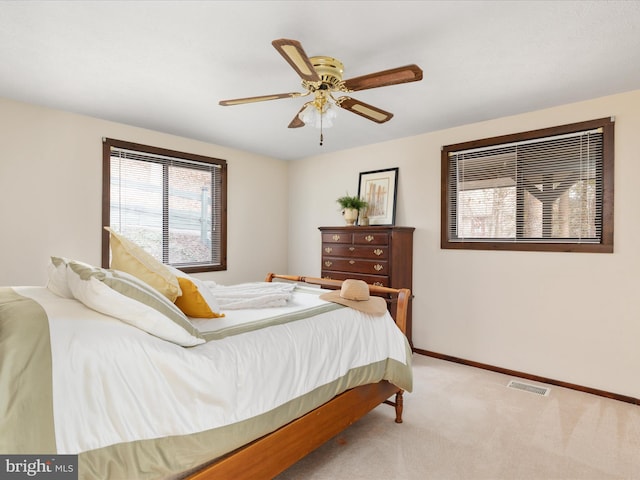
{"x": 51, "y": 193}
{"x": 576, "y": 330}
{"x": 582, "y": 327}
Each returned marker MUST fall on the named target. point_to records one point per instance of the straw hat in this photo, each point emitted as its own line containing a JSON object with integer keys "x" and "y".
{"x": 355, "y": 294}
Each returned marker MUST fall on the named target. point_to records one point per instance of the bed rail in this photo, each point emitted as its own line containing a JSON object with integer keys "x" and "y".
{"x": 395, "y": 297}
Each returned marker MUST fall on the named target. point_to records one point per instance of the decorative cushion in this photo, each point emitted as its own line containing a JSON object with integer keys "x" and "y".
{"x": 57, "y": 272}
{"x": 128, "y": 257}
{"x": 196, "y": 299}
{"x": 131, "y": 300}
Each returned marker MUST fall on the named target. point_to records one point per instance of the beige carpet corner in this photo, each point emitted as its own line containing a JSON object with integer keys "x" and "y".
{"x": 464, "y": 423}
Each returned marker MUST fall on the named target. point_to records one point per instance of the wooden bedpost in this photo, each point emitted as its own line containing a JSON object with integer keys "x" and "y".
{"x": 399, "y": 405}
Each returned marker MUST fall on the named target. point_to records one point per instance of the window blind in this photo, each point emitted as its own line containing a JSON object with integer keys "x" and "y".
{"x": 540, "y": 190}
{"x": 172, "y": 207}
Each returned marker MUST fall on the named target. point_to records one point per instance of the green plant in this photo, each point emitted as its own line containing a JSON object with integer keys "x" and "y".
{"x": 351, "y": 202}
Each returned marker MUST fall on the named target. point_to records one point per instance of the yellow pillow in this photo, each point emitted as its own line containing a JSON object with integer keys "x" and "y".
{"x": 127, "y": 257}
{"x": 192, "y": 303}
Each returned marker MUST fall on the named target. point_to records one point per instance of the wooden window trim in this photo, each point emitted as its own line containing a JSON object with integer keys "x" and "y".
{"x": 606, "y": 243}
{"x": 107, "y": 143}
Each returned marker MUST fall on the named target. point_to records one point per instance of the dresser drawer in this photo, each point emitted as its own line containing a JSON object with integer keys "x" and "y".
{"x": 337, "y": 237}
{"x": 369, "y": 267}
{"x": 380, "y": 280}
{"x": 355, "y": 251}
{"x": 371, "y": 238}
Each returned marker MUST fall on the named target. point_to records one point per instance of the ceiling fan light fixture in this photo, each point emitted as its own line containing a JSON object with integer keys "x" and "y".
{"x": 329, "y": 114}
{"x": 318, "y": 116}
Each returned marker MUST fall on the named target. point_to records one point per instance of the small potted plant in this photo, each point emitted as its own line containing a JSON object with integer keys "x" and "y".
{"x": 351, "y": 206}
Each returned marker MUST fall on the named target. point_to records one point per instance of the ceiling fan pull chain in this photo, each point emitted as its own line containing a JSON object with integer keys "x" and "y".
{"x": 321, "y": 137}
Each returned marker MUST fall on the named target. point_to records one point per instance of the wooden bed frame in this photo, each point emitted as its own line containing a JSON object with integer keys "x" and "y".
{"x": 275, "y": 452}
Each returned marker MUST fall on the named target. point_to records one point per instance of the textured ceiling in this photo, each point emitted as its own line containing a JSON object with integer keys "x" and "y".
{"x": 164, "y": 65}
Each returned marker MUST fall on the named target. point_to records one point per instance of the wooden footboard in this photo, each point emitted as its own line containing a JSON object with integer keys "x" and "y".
{"x": 272, "y": 454}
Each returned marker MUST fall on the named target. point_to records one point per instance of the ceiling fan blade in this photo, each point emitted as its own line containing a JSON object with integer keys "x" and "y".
{"x": 296, "y": 122}
{"x": 393, "y": 76}
{"x": 364, "y": 110}
{"x": 263, "y": 98}
{"x": 293, "y": 53}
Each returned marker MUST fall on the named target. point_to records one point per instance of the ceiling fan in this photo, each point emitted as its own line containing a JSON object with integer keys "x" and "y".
{"x": 322, "y": 78}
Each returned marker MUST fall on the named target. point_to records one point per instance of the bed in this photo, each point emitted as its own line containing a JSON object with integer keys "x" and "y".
{"x": 259, "y": 392}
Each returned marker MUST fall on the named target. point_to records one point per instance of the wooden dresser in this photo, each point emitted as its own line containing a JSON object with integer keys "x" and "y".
{"x": 376, "y": 254}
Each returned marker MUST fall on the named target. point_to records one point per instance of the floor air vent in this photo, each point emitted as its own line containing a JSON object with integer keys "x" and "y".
{"x": 544, "y": 391}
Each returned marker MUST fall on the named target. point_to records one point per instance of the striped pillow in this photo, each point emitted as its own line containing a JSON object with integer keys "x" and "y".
{"x": 129, "y": 299}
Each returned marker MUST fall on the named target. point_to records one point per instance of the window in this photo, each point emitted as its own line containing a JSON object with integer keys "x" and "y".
{"x": 172, "y": 204}
{"x": 549, "y": 189}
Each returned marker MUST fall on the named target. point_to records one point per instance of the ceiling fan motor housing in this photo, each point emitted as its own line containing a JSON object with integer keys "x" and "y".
{"x": 330, "y": 71}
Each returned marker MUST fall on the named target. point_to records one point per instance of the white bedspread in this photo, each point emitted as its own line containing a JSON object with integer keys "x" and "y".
{"x": 214, "y": 384}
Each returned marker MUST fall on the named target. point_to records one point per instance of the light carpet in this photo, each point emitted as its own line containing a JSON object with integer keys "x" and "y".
{"x": 462, "y": 422}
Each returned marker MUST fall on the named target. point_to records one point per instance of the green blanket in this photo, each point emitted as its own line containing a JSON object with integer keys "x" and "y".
{"x": 26, "y": 403}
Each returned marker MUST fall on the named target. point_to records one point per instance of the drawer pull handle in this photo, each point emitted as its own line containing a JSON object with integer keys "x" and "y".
{"x": 369, "y": 238}
{"x": 379, "y": 284}
{"x": 377, "y": 267}
{"x": 336, "y": 238}
{"x": 378, "y": 251}
{"x": 351, "y": 262}
{"x": 328, "y": 263}
{"x": 351, "y": 249}
{"x": 328, "y": 249}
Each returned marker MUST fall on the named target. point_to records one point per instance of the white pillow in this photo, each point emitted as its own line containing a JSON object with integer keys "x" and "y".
{"x": 57, "y": 272}
{"x": 129, "y": 299}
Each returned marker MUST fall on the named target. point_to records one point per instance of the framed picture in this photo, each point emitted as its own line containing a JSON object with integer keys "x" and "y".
{"x": 378, "y": 189}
